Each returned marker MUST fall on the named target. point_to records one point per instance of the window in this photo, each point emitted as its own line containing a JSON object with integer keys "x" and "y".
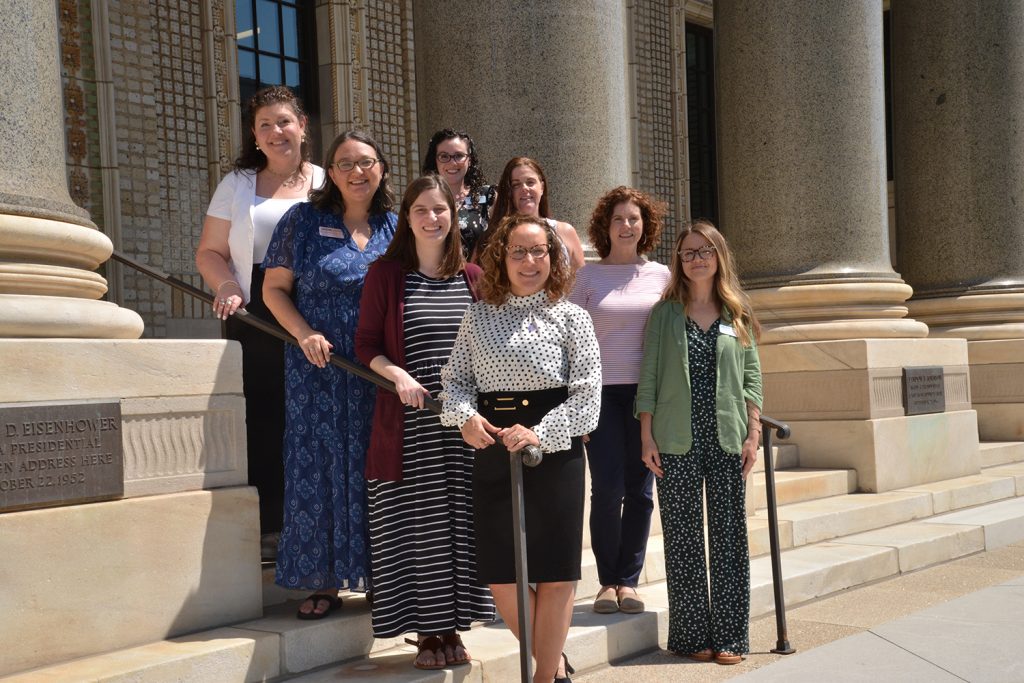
{"x": 276, "y": 46}
{"x": 700, "y": 116}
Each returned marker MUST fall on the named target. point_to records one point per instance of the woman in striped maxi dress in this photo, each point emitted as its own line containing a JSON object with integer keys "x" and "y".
{"x": 419, "y": 473}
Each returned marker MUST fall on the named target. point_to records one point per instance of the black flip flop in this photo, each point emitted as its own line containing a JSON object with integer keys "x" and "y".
{"x": 334, "y": 604}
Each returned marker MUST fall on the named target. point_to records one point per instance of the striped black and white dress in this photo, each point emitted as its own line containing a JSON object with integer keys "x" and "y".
{"x": 421, "y": 528}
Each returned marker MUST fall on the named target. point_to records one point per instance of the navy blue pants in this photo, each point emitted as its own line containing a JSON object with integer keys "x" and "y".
{"x": 621, "y": 490}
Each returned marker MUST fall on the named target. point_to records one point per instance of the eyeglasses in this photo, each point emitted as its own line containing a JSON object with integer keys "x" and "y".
{"x": 704, "y": 253}
{"x": 445, "y": 157}
{"x": 537, "y": 251}
{"x": 366, "y": 164}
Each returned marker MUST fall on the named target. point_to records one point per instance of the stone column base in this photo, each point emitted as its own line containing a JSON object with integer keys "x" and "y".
{"x": 997, "y": 388}
{"x": 844, "y": 402}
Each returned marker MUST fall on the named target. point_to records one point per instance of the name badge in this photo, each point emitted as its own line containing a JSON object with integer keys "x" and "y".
{"x": 726, "y": 329}
{"x": 331, "y": 232}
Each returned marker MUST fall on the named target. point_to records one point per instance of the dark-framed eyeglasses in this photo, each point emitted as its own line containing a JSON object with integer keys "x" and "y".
{"x": 704, "y": 253}
{"x": 365, "y": 163}
{"x": 537, "y": 251}
{"x": 458, "y": 157}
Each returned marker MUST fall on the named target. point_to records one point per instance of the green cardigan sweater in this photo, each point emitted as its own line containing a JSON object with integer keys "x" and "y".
{"x": 664, "y": 387}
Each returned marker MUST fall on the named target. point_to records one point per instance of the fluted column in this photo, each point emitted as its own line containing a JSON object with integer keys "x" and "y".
{"x": 958, "y": 85}
{"x": 541, "y": 79}
{"x": 802, "y": 182}
{"x": 48, "y": 246}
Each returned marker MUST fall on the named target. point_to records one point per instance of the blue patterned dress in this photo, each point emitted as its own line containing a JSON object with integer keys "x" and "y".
{"x": 324, "y": 540}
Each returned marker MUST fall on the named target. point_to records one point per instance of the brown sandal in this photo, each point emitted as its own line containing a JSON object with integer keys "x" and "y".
{"x": 453, "y": 640}
{"x": 433, "y": 645}
{"x": 333, "y": 603}
{"x": 700, "y": 656}
{"x": 727, "y": 658}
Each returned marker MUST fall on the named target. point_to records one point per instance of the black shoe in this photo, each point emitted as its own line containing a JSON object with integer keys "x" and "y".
{"x": 568, "y": 670}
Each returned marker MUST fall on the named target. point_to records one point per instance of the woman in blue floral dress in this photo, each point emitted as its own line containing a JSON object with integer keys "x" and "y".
{"x": 315, "y": 267}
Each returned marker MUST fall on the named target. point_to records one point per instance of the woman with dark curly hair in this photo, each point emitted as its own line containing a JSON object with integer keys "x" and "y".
{"x": 619, "y": 292}
{"x": 315, "y": 267}
{"x": 526, "y": 369}
{"x": 272, "y": 173}
{"x": 452, "y": 155}
{"x": 523, "y": 188}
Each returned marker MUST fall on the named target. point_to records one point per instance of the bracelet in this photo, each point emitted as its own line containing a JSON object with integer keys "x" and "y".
{"x": 229, "y": 282}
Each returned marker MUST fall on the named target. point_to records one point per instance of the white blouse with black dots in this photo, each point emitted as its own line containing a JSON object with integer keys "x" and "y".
{"x": 527, "y": 344}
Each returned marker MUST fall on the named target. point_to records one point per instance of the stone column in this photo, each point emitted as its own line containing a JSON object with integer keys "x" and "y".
{"x": 48, "y": 246}
{"x": 802, "y": 199}
{"x": 541, "y": 79}
{"x": 802, "y": 167}
{"x": 958, "y": 85}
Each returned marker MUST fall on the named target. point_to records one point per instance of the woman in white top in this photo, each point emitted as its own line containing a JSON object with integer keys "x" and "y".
{"x": 523, "y": 189}
{"x": 271, "y": 174}
{"x": 619, "y": 292}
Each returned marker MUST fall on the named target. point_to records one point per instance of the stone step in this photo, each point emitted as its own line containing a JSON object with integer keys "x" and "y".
{"x": 1000, "y": 452}
{"x": 1015, "y": 470}
{"x": 282, "y": 647}
{"x": 827, "y": 518}
{"x": 800, "y": 484}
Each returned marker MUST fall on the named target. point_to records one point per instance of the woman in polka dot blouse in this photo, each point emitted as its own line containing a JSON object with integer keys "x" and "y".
{"x": 526, "y": 369}
{"x": 699, "y": 404}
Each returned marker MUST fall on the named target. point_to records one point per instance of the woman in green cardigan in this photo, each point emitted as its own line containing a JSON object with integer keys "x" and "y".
{"x": 699, "y": 404}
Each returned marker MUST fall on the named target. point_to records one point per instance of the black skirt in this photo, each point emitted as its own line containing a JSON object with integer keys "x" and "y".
{"x": 553, "y": 495}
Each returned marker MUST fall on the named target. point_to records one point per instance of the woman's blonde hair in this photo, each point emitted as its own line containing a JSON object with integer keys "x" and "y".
{"x": 727, "y": 282}
{"x": 494, "y": 284}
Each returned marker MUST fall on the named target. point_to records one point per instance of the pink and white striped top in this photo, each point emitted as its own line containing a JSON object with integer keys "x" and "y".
{"x": 619, "y": 299}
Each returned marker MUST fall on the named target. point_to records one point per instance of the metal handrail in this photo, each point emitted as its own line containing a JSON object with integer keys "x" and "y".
{"x": 782, "y": 646}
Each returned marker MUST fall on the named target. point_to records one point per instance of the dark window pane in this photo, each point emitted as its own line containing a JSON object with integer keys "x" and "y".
{"x": 270, "y": 70}
{"x": 269, "y": 30}
{"x": 291, "y": 73}
{"x": 243, "y": 23}
{"x": 700, "y": 115}
{"x": 246, "y": 64}
{"x": 290, "y": 31}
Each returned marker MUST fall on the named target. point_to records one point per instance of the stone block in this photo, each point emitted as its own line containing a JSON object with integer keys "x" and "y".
{"x": 183, "y": 412}
{"x": 106, "y": 576}
{"x": 224, "y": 654}
{"x": 819, "y": 520}
{"x": 856, "y": 378}
{"x": 954, "y": 494}
{"x": 1003, "y": 521}
{"x": 993, "y": 453}
{"x": 893, "y": 453}
{"x": 1014, "y": 470}
{"x": 818, "y": 570}
{"x": 920, "y": 545}
{"x": 997, "y": 387}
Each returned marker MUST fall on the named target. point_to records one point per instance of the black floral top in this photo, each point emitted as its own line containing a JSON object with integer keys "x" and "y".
{"x": 700, "y": 355}
{"x": 474, "y": 212}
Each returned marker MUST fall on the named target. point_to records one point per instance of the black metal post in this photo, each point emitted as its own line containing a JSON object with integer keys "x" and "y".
{"x": 782, "y": 646}
{"x": 522, "y": 578}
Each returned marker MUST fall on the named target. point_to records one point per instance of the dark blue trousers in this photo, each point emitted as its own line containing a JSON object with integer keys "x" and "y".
{"x": 621, "y": 490}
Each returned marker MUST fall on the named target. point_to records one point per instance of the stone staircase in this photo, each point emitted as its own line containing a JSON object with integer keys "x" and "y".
{"x": 832, "y": 537}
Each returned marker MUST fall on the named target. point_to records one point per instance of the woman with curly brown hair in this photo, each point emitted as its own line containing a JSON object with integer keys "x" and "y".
{"x": 526, "y": 369}
{"x": 619, "y": 292}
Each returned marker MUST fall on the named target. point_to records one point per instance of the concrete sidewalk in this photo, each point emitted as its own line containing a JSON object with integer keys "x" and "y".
{"x": 959, "y": 621}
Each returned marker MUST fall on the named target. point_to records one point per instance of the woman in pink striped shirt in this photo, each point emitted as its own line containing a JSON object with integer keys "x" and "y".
{"x": 619, "y": 292}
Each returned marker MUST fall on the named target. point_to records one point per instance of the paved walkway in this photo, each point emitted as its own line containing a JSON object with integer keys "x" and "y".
{"x": 959, "y": 621}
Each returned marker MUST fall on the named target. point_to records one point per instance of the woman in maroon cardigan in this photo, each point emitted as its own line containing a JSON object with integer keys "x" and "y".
{"x": 419, "y": 474}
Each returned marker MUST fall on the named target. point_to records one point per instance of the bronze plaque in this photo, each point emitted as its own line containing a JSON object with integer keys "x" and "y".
{"x": 59, "y": 454}
{"x": 924, "y": 390}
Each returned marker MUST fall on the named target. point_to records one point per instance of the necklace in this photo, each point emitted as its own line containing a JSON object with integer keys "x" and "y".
{"x": 292, "y": 179}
